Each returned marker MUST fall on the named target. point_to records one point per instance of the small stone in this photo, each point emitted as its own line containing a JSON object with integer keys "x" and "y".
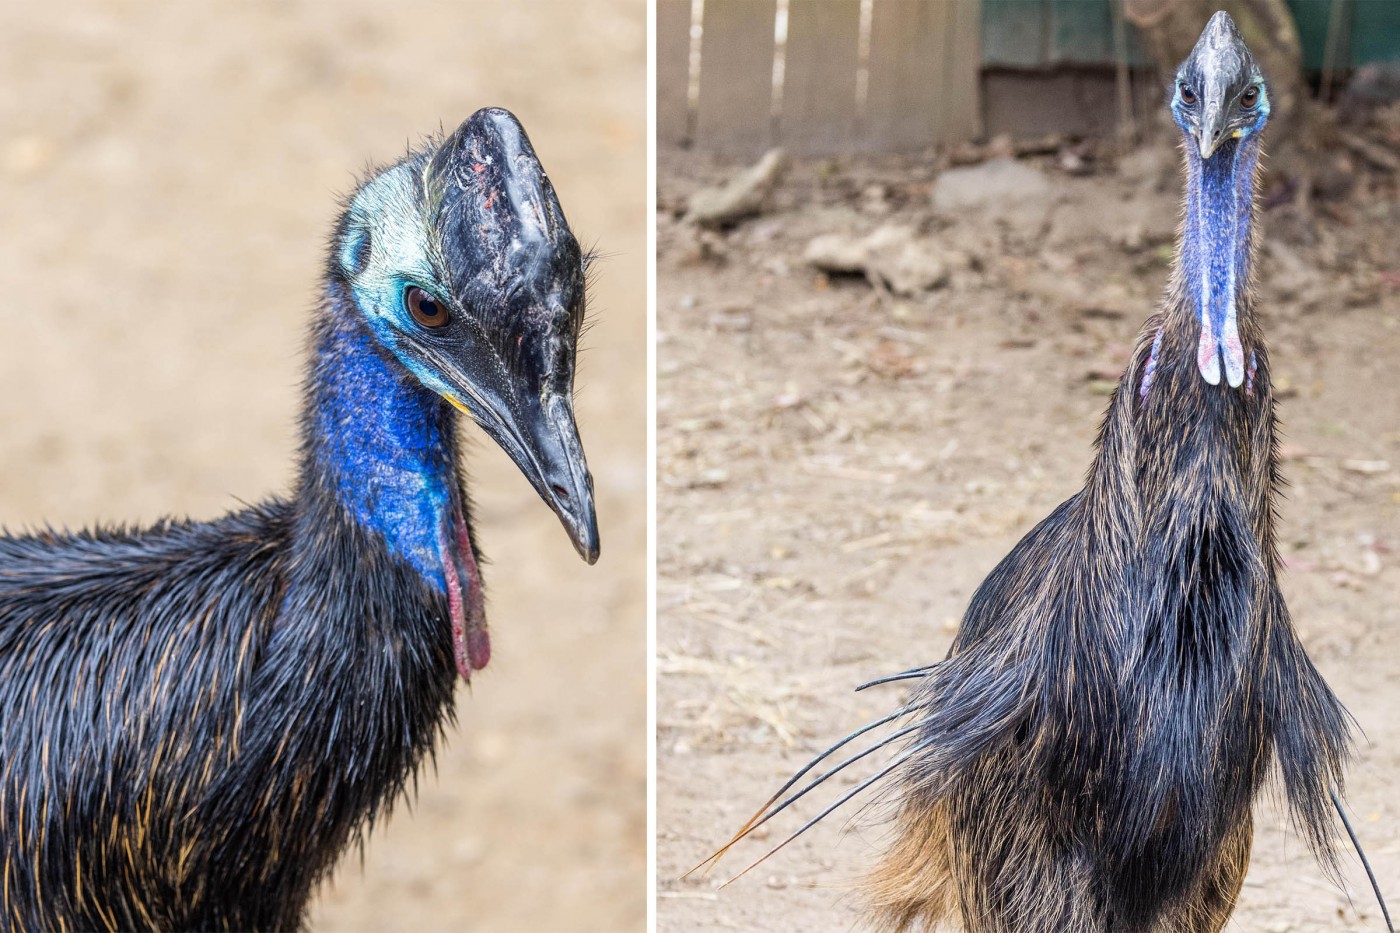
{"x": 1366, "y": 467}
{"x": 745, "y": 195}
{"x": 709, "y": 479}
{"x": 893, "y": 256}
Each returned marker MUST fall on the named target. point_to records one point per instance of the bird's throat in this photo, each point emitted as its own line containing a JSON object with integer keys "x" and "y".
{"x": 1216, "y": 254}
{"x": 385, "y": 448}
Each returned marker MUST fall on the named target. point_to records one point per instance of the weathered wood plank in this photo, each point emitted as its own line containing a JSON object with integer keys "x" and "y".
{"x": 925, "y": 60}
{"x": 734, "y": 112}
{"x": 819, "y": 84}
{"x": 961, "y": 117}
{"x": 673, "y": 71}
{"x": 903, "y": 100}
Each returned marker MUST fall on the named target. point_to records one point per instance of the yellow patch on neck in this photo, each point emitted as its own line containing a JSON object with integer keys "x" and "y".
{"x": 1236, "y": 134}
{"x": 459, "y": 406}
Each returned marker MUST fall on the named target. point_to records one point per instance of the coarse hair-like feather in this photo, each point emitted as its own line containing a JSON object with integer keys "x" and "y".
{"x": 200, "y": 716}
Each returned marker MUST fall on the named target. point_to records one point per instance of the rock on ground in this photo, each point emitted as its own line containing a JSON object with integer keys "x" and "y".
{"x": 744, "y": 195}
{"x": 999, "y": 189}
{"x": 893, "y": 256}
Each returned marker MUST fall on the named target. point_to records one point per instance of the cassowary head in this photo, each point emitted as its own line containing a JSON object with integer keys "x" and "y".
{"x": 464, "y": 268}
{"x": 1220, "y": 93}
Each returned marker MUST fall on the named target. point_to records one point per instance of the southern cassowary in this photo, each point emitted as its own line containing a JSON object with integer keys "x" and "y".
{"x": 1087, "y": 756}
{"x": 196, "y": 718}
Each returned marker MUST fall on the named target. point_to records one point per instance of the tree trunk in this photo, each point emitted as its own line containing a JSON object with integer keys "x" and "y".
{"x": 1170, "y": 28}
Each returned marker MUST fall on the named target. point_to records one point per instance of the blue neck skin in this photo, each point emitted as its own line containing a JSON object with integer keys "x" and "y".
{"x": 1215, "y": 250}
{"x": 384, "y": 441}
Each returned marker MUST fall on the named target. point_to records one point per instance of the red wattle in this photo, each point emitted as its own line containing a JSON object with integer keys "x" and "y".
{"x": 471, "y": 644}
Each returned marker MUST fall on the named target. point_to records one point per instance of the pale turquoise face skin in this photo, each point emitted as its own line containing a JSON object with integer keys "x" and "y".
{"x": 388, "y": 246}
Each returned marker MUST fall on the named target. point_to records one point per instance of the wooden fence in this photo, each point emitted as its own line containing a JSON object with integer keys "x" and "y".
{"x": 817, "y": 76}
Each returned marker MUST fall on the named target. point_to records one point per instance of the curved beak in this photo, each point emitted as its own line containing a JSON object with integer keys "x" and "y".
{"x": 542, "y": 439}
{"x": 560, "y": 472}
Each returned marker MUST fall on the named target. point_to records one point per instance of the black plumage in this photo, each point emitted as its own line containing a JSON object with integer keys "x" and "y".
{"x": 197, "y": 718}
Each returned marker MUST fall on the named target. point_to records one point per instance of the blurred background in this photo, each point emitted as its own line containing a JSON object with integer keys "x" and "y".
{"x": 904, "y": 249}
{"x": 825, "y": 77}
{"x": 169, "y": 175}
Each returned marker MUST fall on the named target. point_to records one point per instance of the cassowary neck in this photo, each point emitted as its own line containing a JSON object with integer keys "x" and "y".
{"x": 1191, "y": 432}
{"x": 1216, "y": 251}
{"x": 382, "y": 444}
{"x": 380, "y": 451}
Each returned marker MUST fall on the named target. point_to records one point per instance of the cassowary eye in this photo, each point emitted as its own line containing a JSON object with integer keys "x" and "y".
{"x": 424, "y": 307}
{"x": 1187, "y": 95}
{"x": 1250, "y": 97}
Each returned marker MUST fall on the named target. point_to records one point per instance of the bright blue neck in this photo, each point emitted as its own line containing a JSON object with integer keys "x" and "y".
{"x": 1215, "y": 249}
{"x": 382, "y": 440}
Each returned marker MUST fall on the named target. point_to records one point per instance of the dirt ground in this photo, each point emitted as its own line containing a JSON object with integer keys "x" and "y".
{"x": 168, "y": 177}
{"x": 839, "y": 467}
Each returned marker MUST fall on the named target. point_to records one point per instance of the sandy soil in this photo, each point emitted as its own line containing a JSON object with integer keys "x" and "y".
{"x": 839, "y": 468}
{"x": 168, "y": 175}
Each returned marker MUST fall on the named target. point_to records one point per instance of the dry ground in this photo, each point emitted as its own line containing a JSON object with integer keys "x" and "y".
{"x": 838, "y": 470}
{"x": 168, "y": 177}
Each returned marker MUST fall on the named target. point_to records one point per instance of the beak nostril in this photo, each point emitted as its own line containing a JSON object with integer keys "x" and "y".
{"x": 560, "y": 492}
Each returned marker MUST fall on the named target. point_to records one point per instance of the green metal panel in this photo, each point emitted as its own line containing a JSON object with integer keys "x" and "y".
{"x": 1372, "y": 29}
{"x": 1375, "y": 35}
{"x": 1311, "y": 17}
{"x": 1080, "y": 32}
{"x": 1045, "y": 33}
{"x": 1013, "y": 33}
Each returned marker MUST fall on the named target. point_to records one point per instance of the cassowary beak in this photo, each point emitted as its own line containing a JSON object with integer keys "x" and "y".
{"x": 1211, "y": 131}
{"x": 561, "y": 475}
{"x": 542, "y": 439}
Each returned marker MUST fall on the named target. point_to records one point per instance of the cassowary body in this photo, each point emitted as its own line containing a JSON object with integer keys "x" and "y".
{"x": 1129, "y": 672}
{"x": 197, "y": 718}
{"x": 1087, "y": 756}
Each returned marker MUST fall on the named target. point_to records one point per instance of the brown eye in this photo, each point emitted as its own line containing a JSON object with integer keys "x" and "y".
{"x": 424, "y": 307}
{"x": 1250, "y": 97}
{"x": 1187, "y": 95}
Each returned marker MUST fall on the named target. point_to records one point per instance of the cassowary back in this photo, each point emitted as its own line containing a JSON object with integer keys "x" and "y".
{"x": 219, "y": 769}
